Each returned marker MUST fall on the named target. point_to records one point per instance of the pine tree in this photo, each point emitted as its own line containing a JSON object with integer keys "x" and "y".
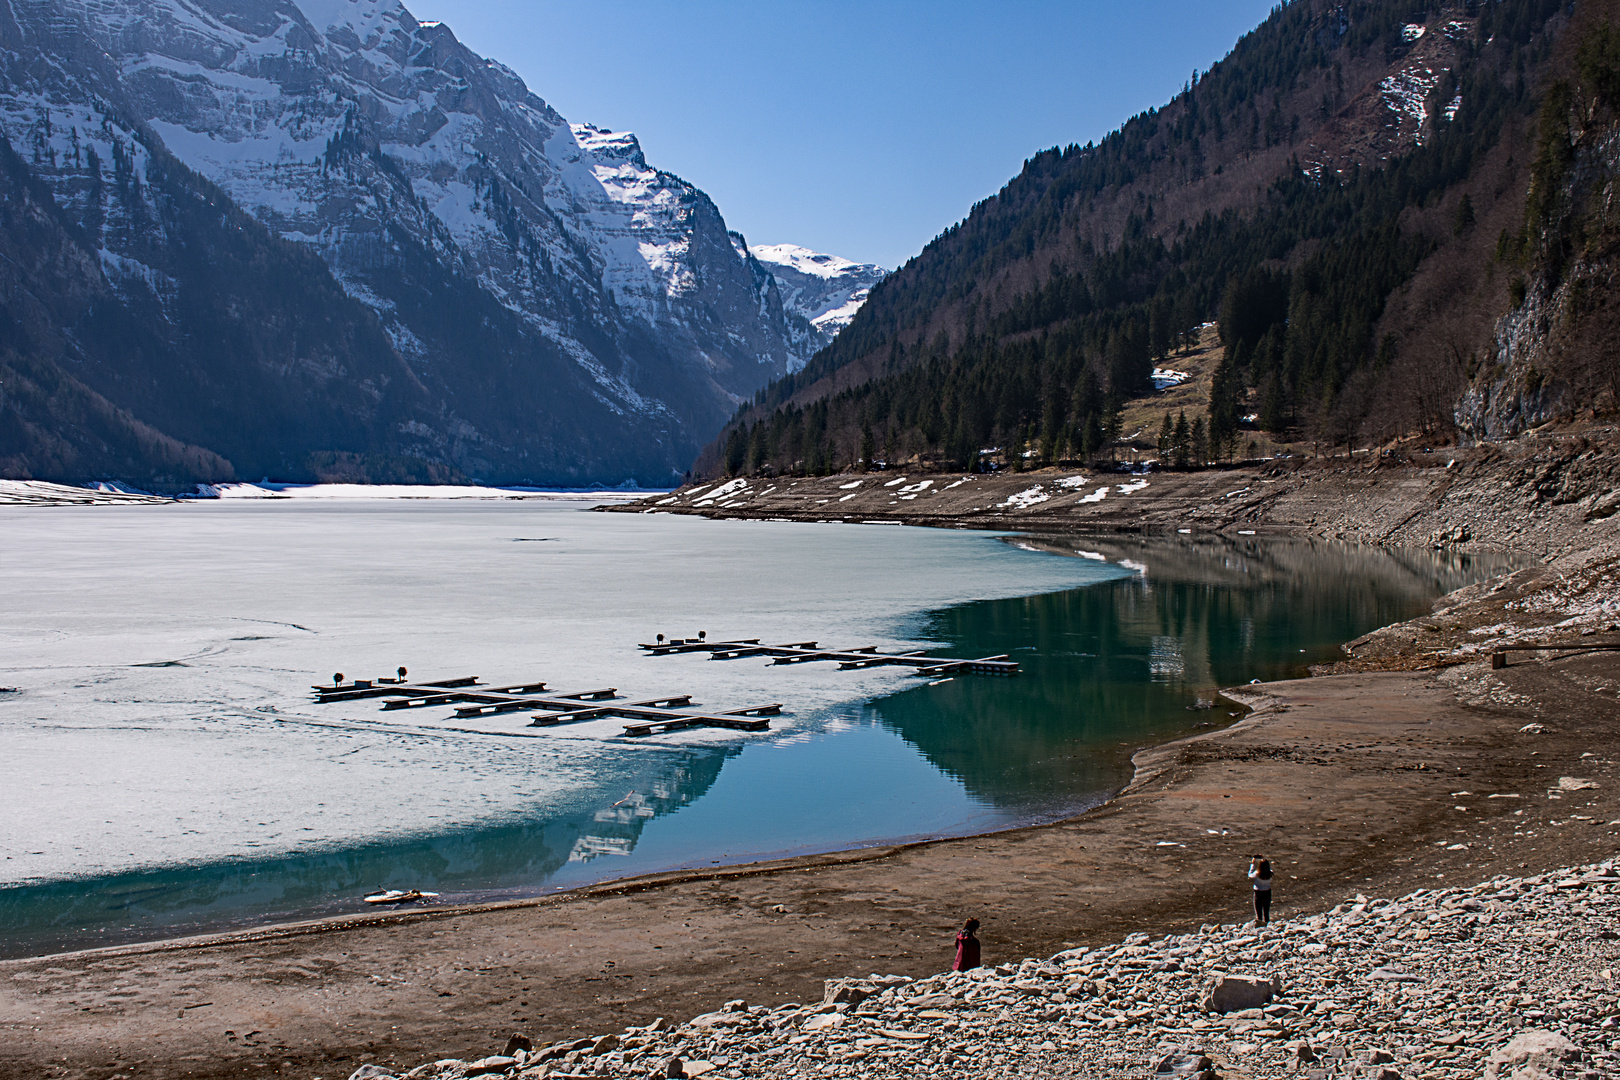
{"x": 1464, "y": 219}
{"x": 1224, "y": 392}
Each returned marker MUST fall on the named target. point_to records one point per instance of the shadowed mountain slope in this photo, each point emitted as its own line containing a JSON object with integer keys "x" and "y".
{"x": 322, "y": 239}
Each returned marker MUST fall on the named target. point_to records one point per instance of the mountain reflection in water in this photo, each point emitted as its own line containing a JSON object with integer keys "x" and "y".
{"x": 1115, "y": 666}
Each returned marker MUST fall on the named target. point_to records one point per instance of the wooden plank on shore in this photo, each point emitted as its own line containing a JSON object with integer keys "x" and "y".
{"x": 1499, "y": 652}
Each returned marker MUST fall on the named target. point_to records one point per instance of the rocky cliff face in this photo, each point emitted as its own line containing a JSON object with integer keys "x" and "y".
{"x": 530, "y": 300}
{"x": 1551, "y": 357}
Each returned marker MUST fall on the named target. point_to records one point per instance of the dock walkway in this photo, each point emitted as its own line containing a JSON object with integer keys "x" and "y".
{"x": 801, "y": 652}
{"x": 653, "y": 716}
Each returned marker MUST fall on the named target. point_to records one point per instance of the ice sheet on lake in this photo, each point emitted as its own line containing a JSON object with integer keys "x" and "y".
{"x": 402, "y": 491}
{"x": 163, "y": 657}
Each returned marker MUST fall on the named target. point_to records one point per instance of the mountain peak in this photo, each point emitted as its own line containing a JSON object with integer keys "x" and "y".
{"x": 825, "y": 289}
{"x": 366, "y": 20}
{"x": 609, "y": 145}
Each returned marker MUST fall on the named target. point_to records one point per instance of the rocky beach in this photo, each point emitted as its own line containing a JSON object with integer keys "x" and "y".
{"x": 1510, "y": 977}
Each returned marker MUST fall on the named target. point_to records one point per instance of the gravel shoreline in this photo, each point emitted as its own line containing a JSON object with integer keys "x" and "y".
{"x": 1511, "y": 977}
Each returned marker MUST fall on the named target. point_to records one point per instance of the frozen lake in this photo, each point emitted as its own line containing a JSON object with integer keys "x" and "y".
{"x": 166, "y": 770}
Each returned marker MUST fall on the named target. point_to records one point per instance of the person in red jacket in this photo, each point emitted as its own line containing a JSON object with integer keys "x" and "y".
{"x": 967, "y": 947}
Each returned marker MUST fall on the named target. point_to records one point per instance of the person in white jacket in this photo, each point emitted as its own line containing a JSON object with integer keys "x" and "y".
{"x": 1260, "y": 877}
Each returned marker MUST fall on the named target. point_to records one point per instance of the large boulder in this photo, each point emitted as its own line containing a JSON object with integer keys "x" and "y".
{"x": 855, "y": 991}
{"x": 1531, "y": 1055}
{"x": 1230, "y": 993}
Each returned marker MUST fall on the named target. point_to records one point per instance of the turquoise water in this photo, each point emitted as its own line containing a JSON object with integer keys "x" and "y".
{"x": 168, "y": 774}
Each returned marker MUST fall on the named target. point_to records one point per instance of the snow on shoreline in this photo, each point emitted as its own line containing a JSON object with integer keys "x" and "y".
{"x": 44, "y": 493}
{"x": 405, "y": 491}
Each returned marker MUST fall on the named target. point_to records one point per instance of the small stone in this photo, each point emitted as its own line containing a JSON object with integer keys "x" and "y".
{"x": 557, "y": 1050}
{"x": 493, "y": 1064}
{"x": 1182, "y": 1064}
{"x": 516, "y": 1043}
{"x": 1391, "y": 974}
{"x": 933, "y": 1001}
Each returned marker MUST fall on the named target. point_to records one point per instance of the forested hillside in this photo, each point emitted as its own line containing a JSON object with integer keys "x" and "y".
{"x": 1361, "y": 195}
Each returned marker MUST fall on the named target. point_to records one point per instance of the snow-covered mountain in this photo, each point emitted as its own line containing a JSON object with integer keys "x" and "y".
{"x": 824, "y": 289}
{"x": 551, "y": 307}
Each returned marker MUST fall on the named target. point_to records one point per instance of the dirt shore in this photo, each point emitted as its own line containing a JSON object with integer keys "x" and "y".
{"x": 1544, "y": 495}
{"x": 1370, "y": 780}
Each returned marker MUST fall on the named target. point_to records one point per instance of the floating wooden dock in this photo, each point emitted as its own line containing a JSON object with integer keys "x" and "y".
{"x": 652, "y": 716}
{"x": 802, "y": 652}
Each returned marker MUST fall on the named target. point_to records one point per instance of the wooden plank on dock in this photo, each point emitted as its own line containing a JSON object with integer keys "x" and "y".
{"x": 490, "y": 703}
{"x": 681, "y": 645}
{"x": 420, "y": 698}
{"x": 385, "y": 688}
{"x": 737, "y": 719}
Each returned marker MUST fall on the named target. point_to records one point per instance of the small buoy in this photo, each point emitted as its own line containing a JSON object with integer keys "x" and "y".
{"x": 660, "y": 639}
{"x": 337, "y": 680}
{"x": 401, "y": 672}
{"x": 702, "y": 634}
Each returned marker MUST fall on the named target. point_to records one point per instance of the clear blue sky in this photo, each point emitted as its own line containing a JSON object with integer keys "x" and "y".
{"x": 858, "y": 128}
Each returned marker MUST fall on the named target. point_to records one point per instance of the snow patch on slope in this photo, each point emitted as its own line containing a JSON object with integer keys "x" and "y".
{"x": 804, "y": 260}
